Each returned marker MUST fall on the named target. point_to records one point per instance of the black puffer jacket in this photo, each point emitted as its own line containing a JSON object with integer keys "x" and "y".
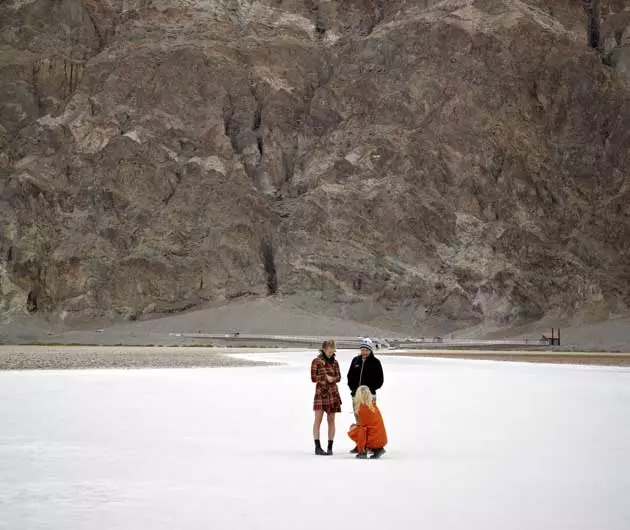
{"x": 365, "y": 372}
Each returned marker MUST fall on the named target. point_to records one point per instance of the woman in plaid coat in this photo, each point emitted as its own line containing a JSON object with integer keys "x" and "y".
{"x": 325, "y": 373}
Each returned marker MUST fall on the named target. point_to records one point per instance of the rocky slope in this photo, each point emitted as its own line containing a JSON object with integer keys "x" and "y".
{"x": 443, "y": 163}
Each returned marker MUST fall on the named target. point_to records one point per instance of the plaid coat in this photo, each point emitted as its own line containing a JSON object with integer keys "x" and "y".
{"x": 327, "y": 396}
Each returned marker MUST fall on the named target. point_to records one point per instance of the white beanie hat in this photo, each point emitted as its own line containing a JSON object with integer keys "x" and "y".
{"x": 367, "y": 343}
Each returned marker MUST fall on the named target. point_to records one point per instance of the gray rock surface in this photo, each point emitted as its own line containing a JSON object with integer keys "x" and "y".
{"x": 441, "y": 164}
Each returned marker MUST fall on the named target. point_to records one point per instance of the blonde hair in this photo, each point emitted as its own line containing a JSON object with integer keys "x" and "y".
{"x": 363, "y": 396}
{"x": 326, "y": 343}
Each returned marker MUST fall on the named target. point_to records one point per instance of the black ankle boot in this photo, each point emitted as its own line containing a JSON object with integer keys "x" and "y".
{"x": 377, "y": 453}
{"x": 318, "y": 448}
{"x": 330, "y": 444}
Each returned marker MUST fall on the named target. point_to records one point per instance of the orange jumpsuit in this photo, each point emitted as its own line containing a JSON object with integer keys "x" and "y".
{"x": 370, "y": 432}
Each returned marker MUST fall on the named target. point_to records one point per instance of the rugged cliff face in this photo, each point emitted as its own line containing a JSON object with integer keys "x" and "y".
{"x": 458, "y": 161}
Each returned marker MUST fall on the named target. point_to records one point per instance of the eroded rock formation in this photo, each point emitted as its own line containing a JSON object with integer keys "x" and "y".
{"x": 456, "y": 161}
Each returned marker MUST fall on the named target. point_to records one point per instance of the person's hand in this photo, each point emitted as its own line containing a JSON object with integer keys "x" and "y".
{"x": 330, "y": 378}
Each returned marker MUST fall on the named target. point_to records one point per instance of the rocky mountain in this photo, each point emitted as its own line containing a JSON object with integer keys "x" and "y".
{"x": 438, "y": 162}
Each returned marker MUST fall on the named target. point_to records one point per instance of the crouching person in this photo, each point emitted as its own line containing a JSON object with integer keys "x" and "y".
{"x": 369, "y": 434}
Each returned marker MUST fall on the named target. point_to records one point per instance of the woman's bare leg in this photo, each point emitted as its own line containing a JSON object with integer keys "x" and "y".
{"x": 330, "y": 418}
{"x": 331, "y": 425}
{"x": 319, "y": 415}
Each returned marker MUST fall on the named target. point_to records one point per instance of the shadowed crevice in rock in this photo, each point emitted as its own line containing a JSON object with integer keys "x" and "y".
{"x": 31, "y": 301}
{"x": 100, "y": 35}
{"x": 380, "y": 10}
{"x": 591, "y": 7}
{"x": 256, "y": 172}
{"x": 173, "y": 188}
{"x": 256, "y": 128}
{"x": 37, "y": 97}
{"x": 289, "y": 156}
{"x": 320, "y": 17}
{"x": 268, "y": 256}
{"x": 230, "y": 127}
{"x": 243, "y": 125}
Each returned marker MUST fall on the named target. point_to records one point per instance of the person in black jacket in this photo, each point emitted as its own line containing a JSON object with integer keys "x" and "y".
{"x": 365, "y": 369}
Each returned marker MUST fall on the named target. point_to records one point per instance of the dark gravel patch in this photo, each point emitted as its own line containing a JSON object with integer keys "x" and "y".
{"x": 86, "y": 357}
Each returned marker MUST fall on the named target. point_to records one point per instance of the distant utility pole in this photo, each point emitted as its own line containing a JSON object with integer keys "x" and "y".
{"x": 591, "y": 7}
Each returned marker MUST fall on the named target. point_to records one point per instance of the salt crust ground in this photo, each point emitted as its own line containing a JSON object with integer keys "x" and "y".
{"x": 473, "y": 445}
